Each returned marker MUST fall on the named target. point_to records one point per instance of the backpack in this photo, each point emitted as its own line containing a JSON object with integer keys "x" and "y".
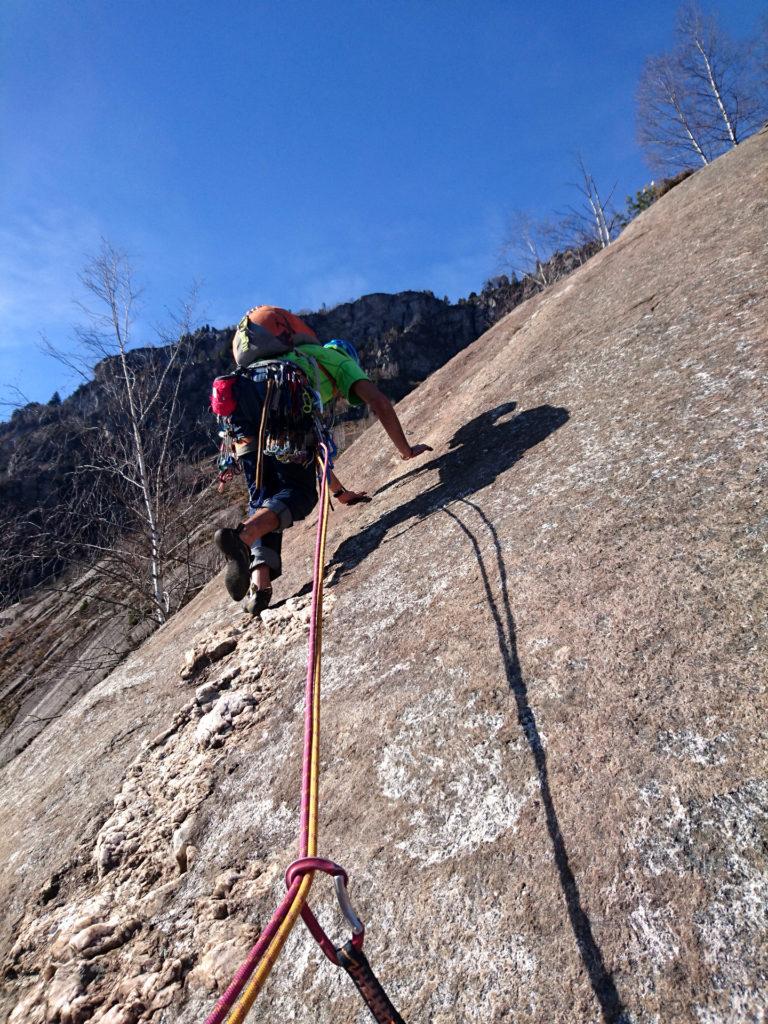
{"x": 270, "y": 408}
{"x": 266, "y": 332}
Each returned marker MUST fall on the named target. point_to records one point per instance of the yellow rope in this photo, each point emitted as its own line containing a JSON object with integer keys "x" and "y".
{"x": 262, "y": 429}
{"x": 314, "y": 791}
{"x": 260, "y": 975}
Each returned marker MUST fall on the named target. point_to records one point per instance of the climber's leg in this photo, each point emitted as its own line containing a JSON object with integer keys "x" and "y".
{"x": 261, "y": 521}
{"x": 288, "y": 493}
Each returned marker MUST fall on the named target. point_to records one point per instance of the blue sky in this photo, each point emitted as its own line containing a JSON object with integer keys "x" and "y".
{"x": 298, "y": 151}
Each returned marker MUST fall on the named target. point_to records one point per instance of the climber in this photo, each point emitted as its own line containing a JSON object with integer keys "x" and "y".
{"x": 287, "y": 490}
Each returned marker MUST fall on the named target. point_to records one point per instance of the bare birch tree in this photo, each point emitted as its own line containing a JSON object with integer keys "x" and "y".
{"x": 528, "y": 246}
{"x": 700, "y": 99}
{"x": 719, "y": 71}
{"x": 544, "y": 250}
{"x": 669, "y": 124}
{"x": 130, "y": 500}
{"x": 541, "y": 251}
{"x": 595, "y": 223}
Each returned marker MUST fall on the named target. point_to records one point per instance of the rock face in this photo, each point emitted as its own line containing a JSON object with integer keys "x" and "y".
{"x": 55, "y": 645}
{"x": 542, "y": 763}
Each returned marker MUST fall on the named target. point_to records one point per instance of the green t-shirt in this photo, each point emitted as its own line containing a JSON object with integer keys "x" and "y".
{"x": 341, "y": 367}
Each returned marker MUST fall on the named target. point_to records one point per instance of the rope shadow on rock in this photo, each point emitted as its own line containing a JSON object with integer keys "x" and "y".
{"x": 600, "y": 977}
{"x": 480, "y": 451}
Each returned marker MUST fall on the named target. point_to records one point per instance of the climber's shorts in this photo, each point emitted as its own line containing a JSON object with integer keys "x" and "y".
{"x": 287, "y": 489}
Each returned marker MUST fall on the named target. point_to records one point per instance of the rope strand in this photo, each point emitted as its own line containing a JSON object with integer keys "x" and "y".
{"x": 241, "y": 993}
{"x": 254, "y": 972}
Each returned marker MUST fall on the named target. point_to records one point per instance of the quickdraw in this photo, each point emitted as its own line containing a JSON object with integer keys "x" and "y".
{"x": 227, "y": 462}
{"x": 234, "y": 1004}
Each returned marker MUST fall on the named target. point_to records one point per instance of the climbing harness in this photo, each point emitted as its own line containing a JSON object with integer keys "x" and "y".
{"x": 234, "y": 1004}
{"x": 279, "y": 397}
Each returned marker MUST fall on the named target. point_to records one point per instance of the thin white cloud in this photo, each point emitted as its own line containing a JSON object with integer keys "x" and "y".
{"x": 41, "y": 254}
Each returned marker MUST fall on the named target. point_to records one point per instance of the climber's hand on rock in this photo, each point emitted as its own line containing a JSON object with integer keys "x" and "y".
{"x": 352, "y": 497}
{"x": 418, "y": 449}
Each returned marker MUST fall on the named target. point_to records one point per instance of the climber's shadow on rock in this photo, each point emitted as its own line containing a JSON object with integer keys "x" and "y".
{"x": 478, "y": 452}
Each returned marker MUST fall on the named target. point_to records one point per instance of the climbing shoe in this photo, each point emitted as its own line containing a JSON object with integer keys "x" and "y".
{"x": 258, "y": 600}
{"x": 237, "y": 578}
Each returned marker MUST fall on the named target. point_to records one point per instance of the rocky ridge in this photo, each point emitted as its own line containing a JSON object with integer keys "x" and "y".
{"x": 542, "y": 764}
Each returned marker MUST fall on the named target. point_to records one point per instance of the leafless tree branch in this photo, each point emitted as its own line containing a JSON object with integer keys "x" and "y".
{"x": 121, "y": 515}
{"x": 702, "y": 97}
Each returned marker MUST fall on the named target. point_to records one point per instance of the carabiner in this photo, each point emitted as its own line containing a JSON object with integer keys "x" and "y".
{"x": 340, "y": 885}
{"x": 309, "y": 864}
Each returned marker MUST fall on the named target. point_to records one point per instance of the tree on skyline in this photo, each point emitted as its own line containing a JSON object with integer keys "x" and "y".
{"x": 594, "y": 223}
{"x": 702, "y": 97}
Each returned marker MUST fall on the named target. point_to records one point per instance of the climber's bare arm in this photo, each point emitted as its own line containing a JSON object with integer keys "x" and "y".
{"x": 384, "y": 410}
